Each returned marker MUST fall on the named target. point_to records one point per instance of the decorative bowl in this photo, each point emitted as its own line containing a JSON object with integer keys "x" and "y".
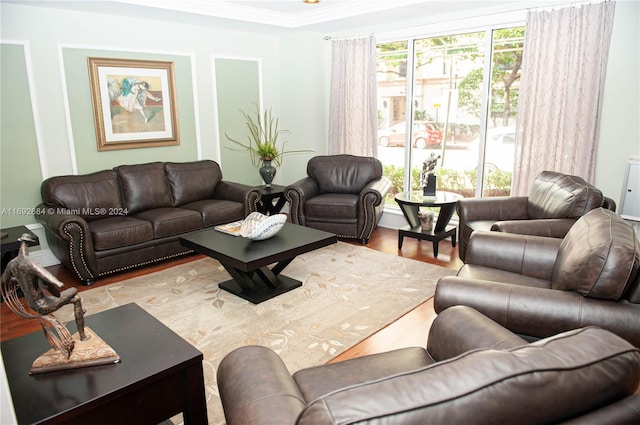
{"x": 258, "y": 226}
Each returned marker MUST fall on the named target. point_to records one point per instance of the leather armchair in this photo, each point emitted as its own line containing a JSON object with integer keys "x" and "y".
{"x": 472, "y": 371}
{"x": 537, "y": 286}
{"x": 342, "y": 194}
{"x": 553, "y": 205}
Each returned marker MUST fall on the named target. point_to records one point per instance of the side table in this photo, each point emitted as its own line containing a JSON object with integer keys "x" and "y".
{"x": 10, "y": 244}
{"x": 159, "y": 376}
{"x": 269, "y": 195}
{"x": 410, "y": 203}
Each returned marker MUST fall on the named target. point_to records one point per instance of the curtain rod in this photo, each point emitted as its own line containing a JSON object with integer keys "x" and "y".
{"x": 566, "y": 5}
{"x": 549, "y": 7}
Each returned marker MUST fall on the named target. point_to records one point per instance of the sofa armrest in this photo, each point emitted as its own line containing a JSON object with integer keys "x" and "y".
{"x": 249, "y": 196}
{"x": 297, "y": 194}
{"x": 70, "y": 240}
{"x": 256, "y": 388}
{"x": 538, "y": 312}
{"x": 495, "y": 208}
{"x": 549, "y": 227}
{"x": 376, "y": 190}
{"x": 609, "y": 203}
{"x": 371, "y": 201}
{"x": 523, "y": 254}
{"x": 459, "y": 329}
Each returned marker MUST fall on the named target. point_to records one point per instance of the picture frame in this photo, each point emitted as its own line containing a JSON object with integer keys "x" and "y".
{"x": 134, "y": 103}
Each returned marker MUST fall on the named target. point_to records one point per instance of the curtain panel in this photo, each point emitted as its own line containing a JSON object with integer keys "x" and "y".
{"x": 353, "y": 127}
{"x": 565, "y": 58}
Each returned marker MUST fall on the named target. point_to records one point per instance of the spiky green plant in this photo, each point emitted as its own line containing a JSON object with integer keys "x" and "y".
{"x": 263, "y": 138}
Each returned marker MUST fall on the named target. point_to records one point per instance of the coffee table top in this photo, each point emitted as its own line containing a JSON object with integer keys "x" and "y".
{"x": 417, "y": 198}
{"x": 247, "y": 255}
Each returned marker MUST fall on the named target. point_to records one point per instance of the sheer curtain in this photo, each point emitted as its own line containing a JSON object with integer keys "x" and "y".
{"x": 565, "y": 57}
{"x": 353, "y": 125}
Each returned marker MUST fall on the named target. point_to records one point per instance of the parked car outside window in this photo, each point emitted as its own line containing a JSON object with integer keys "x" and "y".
{"x": 424, "y": 135}
{"x": 499, "y": 150}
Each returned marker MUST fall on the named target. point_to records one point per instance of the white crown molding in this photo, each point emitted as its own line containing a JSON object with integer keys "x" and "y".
{"x": 247, "y": 11}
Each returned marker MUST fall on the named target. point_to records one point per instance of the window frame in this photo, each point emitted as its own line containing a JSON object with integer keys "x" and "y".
{"x": 487, "y": 24}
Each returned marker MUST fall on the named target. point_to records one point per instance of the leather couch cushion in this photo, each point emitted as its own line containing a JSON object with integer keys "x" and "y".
{"x": 557, "y": 195}
{"x": 477, "y": 272}
{"x": 90, "y": 196}
{"x": 115, "y": 232}
{"x": 217, "y": 211}
{"x": 572, "y": 372}
{"x": 597, "y": 257}
{"x": 144, "y": 187}
{"x": 192, "y": 181}
{"x": 171, "y": 221}
{"x": 317, "y": 381}
{"x": 343, "y": 173}
{"x": 332, "y": 205}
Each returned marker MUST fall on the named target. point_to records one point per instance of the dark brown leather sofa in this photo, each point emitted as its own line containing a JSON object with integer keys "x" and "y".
{"x": 537, "y": 286}
{"x": 473, "y": 371}
{"x": 133, "y": 215}
{"x": 342, "y": 194}
{"x": 554, "y": 203}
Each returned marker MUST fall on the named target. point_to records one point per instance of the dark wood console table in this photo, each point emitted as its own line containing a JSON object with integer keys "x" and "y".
{"x": 159, "y": 376}
{"x": 410, "y": 203}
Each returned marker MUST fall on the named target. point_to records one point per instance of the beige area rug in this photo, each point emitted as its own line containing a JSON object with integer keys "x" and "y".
{"x": 349, "y": 292}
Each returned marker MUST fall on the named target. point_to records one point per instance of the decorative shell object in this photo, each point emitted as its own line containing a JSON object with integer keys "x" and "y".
{"x": 258, "y": 226}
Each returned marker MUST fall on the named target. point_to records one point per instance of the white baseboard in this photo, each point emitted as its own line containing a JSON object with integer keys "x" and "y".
{"x": 392, "y": 219}
{"x": 44, "y": 258}
{"x": 41, "y": 254}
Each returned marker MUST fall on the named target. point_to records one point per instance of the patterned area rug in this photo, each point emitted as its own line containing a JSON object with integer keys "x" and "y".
{"x": 349, "y": 292}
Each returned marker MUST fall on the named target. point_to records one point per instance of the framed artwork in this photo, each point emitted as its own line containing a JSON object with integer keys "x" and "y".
{"x": 134, "y": 103}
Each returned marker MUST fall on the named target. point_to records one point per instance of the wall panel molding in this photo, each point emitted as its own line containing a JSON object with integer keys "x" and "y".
{"x": 189, "y": 119}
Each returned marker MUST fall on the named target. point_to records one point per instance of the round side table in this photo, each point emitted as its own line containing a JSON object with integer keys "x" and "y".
{"x": 410, "y": 203}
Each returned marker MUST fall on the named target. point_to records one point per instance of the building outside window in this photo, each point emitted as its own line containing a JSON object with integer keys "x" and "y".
{"x": 454, "y": 96}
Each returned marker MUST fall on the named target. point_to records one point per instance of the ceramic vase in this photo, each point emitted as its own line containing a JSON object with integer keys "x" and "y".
{"x": 268, "y": 172}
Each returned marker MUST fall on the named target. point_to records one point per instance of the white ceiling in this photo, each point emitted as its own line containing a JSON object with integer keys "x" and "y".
{"x": 327, "y": 15}
{"x": 283, "y": 13}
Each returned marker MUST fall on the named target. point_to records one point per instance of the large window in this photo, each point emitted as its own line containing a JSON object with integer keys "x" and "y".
{"x": 455, "y": 97}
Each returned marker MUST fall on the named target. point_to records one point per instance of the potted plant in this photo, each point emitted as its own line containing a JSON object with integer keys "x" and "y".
{"x": 262, "y": 143}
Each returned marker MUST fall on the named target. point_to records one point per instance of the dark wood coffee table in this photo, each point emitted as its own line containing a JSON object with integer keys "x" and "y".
{"x": 247, "y": 260}
{"x": 159, "y": 376}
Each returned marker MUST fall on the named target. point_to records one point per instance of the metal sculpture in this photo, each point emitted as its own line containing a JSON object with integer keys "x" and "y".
{"x": 43, "y": 295}
{"x": 427, "y": 176}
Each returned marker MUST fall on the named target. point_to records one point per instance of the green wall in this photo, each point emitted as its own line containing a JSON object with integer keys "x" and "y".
{"x": 237, "y": 89}
{"x": 88, "y": 157}
{"x": 20, "y": 173}
{"x": 294, "y": 73}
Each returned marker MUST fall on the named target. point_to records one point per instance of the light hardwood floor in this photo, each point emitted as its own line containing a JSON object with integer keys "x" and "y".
{"x": 409, "y": 330}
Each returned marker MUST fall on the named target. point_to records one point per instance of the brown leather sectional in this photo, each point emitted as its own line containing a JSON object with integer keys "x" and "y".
{"x": 133, "y": 215}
